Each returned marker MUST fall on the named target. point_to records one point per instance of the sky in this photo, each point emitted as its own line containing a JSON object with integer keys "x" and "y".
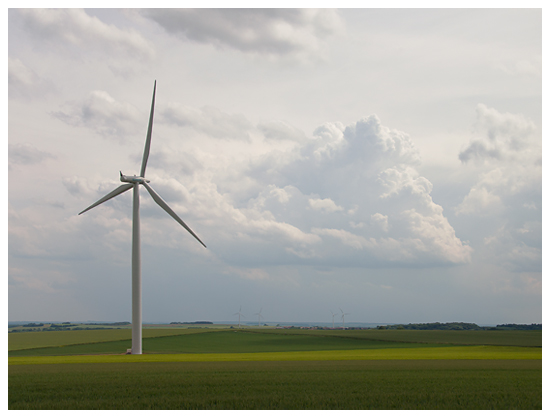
{"x": 386, "y": 162}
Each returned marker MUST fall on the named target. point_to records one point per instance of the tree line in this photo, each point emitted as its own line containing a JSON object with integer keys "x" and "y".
{"x": 463, "y": 326}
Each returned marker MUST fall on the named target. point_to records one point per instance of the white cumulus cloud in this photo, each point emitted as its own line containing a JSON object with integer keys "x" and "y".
{"x": 359, "y": 201}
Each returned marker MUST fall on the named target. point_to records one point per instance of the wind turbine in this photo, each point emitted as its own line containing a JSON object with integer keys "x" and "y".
{"x": 343, "y": 318}
{"x": 333, "y": 315}
{"x": 133, "y": 182}
{"x": 259, "y": 316}
{"x": 240, "y": 314}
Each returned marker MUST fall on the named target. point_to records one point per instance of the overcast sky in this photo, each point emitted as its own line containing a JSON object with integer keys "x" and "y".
{"x": 385, "y": 162}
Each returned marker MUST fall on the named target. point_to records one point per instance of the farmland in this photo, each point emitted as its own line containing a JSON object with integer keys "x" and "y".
{"x": 277, "y": 369}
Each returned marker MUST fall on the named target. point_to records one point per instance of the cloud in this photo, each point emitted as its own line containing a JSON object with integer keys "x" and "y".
{"x": 74, "y": 27}
{"x": 369, "y": 137}
{"x": 518, "y": 249}
{"x": 279, "y": 130}
{"x": 379, "y": 220}
{"x": 503, "y": 136}
{"x": 349, "y": 195}
{"x": 345, "y": 196}
{"x": 46, "y": 282}
{"x": 208, "y": 120}
{"x": 77, "y": 185}
{"x": 508, "y": 184}
{"x": 325, "y": 205}
{"x": 102, "y": 114}
{"x": 529, "y": 67}
{"x": 339, "y": 159}
{"x": 480, "y": 199}
{"x": 511, "y": 155}
{"x": 249, "y": 274}
{"x": 24, "y": 82}
{"x": 26, "y": 154}
{"x": 274, "y": 32}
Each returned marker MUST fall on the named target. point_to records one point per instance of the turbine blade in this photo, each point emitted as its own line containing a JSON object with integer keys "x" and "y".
{"x": 116, "y": 192}
{"x": 170, "y": 212}
{"x": 149, "y": 133}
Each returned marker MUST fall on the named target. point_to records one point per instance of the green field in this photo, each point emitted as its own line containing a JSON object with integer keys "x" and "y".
{"x": 276, "y": 369}
{"x": 26, "y": 340}
{"x": 81, "y": 342}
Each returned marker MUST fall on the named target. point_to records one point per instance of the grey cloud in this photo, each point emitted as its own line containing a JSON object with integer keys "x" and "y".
{"x": 518, "y": 249}
{"x": 88, "y": 191}
{"x": 24, "y": 82}
{"x": 76, "y": 185}
{"x": 503, "y": 136}
{"x": 479, "y": 150}
{"x": 174, "y": 160}
{"x": 326, "y": 205}
{"x": 26, "y": 154}
{"x": 279, "y": 130}
{"x": 510, "y": 152}
{"x": 103, "y": 114}
{"x": 264, "y": 31}
{"x": 378, "y": 219}
{"x": 531, "y": 67}
{"x": 208, "y": 120}
{"x": 74, "y": 27}
{"x": 505, "y": 190}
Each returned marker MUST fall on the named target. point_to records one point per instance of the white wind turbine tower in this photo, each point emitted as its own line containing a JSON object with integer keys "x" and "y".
{"x": 343, "y": 318}
{"x": 333, "y": 315}
{"x": 133, "y": 182}
{"x": 259, "y": 316}
{"x": 240, "y": 314}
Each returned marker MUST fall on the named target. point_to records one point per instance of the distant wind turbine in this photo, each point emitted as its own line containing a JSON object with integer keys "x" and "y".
{"x": 133, "y": 182}
{"x": 259, "y": 316}
{"x": 343, "y": 318}
{"x": 333, "y": 315}
{"x": 240, "y": 314}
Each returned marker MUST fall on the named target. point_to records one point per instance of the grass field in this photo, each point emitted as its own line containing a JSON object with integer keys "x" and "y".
{"x": 182, "y": 341}
{"x": 216, "y": 342}
{"x": 412, "y": 384}
{"x": 276, "y": 369}
{"x": 515, "y": 338}
{"x": 26, "y": 340}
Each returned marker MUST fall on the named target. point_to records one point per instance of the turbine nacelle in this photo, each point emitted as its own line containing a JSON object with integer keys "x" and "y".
{"x": 133, "y": 179}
